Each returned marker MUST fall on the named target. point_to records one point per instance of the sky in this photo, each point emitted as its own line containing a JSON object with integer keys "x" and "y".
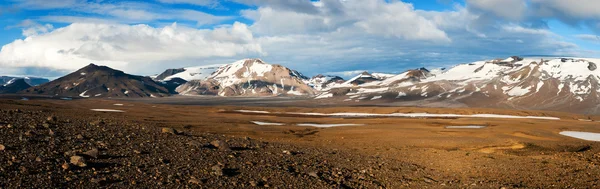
{"x": 50, "y": 38}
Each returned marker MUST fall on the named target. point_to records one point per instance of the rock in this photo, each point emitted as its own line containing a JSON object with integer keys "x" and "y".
{"x": 220, "y": 145}
{"x": 313, "y": 174}
{"x": 194, "y": 180}
{"x": 2, "y": 147}
{"x": 169, "y": 130}
{"x": 592, "y": 66}
{"x": 92, "y": 153}
{"x": 66, "y": 166}
{"x": 51, "y": 118}
{"x": 217, "y": 170}
{"x": 78, "y": 161}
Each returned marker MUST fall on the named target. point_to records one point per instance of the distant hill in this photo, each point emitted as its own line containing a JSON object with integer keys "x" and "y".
{"x": 100, "y": 81}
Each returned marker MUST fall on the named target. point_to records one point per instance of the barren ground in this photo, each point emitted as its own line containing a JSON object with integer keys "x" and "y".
{"x": 384, "y": 152}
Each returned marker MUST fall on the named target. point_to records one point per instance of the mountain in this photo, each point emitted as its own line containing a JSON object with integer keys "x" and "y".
{"x": 249, "y": 77}
{"x": 33, "y": 81}
{"x": 100, "y": 81}
{"x": 14, "y": 86}
{"x": 562, "y": 84}
{"x": 320, "y": 82}
{"x": 188, "y": 74}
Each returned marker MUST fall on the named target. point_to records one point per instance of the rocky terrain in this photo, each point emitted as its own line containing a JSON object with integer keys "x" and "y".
{"x": 100, "y": 81}
{"x": 44, "y": 148}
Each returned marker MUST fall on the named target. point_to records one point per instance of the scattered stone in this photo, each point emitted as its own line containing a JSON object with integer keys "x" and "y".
{"x": 51, "y": 118}
{"x": 78, "y": 161}
{"x": 2, "y": 147}
{"x": 66, "y": 166}
{"x": 92, "y": 153}
{"x": 313, "y": 174}
{"x": 220, "y": 145}
{"x": 194, "y": 180}
{"x": 169, "y": 130}
{"x": 217, "y": 170}
{"x": 592, "y": 66}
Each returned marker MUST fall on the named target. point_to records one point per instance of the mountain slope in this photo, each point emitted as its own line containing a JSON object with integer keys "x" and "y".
{"x": 100, "y": 81}
{"x": 249, "y": 77}
{"x": 14, "y": 86}
{"x": 532, "y": 83}
{"x": 320, "y": 82}
{"x": 33, "y": 81}
{"x": 188, "y": 74}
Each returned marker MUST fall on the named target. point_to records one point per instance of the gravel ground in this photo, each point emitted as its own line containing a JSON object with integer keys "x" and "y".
{"x": 39, "y": 149}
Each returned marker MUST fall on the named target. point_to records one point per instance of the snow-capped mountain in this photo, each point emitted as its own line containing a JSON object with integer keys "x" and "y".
{"x": 320, "y": 82}
{"x": 567, "y": 84}
{"x": 14, "y": 86}
{"x": 188, "y": 74}
{"x": 33, "y": 81}
{"x": 100, "y": 81}
{"x": 249, "y": 77}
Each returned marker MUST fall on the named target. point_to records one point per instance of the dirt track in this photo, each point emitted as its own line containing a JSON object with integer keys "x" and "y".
{"x": 417, "y": 152}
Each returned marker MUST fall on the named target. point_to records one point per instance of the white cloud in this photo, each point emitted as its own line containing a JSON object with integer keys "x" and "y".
{"x": 589, "y": 37}
{"x": 509, "y": 9}
{"x": 207, "y": 3}
{"x": 377, "y": 17}
{"x": 125, "y": 46}
{"x": 581, "y": 9}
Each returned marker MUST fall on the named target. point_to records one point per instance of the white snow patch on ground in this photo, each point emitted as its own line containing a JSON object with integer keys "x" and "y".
{"x": 411, "y": 115}
{"x": 107, "y": 110}
{"x": 82, "y": 73}
{"x": 582, "y": 135}
{"x": 253, "y": 111}
{"x": 376, "y": 97}
{"x": 518, "y": 91}
{"x": 266, "y": 123}
{"x": 327, "y": 125}
{"x": 118, "y": 104}
{"x": 466, "y": 127}
{"x": 83, "y": 94}
{"x": 292, "y": 92}
{"x": 400, "y": 94}
{"x": 325, "y": 95}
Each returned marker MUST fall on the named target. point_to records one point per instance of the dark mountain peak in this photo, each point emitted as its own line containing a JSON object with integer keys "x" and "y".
{"x": 169, "y": 72}
{"x": 15, "y": 86}
{"x": 18, "y": 82}
{"x": 101, "y": 81}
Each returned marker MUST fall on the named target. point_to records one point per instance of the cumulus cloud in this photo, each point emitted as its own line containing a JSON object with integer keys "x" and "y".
{"x": 310, "y": 36}
{"x": 508, "y": 9}
{"x": 378, "y": 17}
{"x": 126, "y": 46}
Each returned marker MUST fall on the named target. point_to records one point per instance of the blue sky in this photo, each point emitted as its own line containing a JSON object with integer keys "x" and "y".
{"x": 53, "y": 37}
